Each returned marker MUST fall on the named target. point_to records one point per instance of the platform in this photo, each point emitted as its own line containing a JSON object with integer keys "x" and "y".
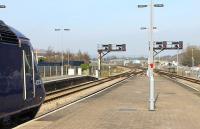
{"x": 125, "y": 106}
{"x": 59, "y": 82}
{"x": 55, "y": 78}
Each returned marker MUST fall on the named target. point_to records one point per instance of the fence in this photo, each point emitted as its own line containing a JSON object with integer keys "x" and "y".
{"x": 184, "y": 71}
{"x": 50, "y": 71}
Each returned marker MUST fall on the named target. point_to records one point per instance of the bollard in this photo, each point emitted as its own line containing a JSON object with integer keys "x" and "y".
{"x": 56, "y": 71}
{"x": 50, "y": 71}
{"x": 66, "y": 70}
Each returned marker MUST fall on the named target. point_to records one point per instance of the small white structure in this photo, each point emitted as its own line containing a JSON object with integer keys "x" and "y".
{"x": 71, "y": 72}
{"x": 126, "y": 62}
{"x": 80, "y": 71}
{"x": 136, "y": 61}
{"x": 195, "y": 68}
{"x": 97, "y": 74}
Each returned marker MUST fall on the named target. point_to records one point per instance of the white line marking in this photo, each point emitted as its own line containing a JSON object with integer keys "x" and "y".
{"x": 182, "y": 83}
{"x": 22, "y": 125}
{"x": 188, "y": 85}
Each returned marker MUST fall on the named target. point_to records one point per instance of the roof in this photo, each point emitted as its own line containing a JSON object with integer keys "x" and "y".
{"x": 17, "y": 33}
{"x": 10, "y": 35}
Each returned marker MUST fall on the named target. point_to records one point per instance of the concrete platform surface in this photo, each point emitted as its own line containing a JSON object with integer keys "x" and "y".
{"x": 126, "y": 107}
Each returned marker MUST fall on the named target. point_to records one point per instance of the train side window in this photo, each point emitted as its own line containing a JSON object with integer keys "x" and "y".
{"x": 28, "y": 60}
{"x": 35, "y": 63}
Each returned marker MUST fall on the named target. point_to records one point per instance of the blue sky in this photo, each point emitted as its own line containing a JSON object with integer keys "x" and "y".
{"x": 95, "y": 22}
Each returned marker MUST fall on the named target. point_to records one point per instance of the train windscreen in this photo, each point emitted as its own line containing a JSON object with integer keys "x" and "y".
{"x": 10, "y": 66}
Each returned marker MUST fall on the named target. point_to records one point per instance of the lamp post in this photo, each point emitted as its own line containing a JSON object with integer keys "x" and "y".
{"x": 62, "y": 56}
{"x": 68, "y": 57}
{"x": 151, "y": 55}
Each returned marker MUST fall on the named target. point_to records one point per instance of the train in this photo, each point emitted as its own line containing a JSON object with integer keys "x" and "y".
{"x": 21, "y": 88}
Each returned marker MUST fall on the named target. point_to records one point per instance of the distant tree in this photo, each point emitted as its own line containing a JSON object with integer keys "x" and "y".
{"x": 86, "y": 57}
{"x": 79, "y": 55}
{"x": 50, "y": 53}
{"x": 52, "y": 56}
{"x": 187, "y": 56}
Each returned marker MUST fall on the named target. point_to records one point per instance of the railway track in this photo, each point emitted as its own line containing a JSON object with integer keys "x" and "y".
{"x": 54, "y": 95}
{"x": 173, "y": 75}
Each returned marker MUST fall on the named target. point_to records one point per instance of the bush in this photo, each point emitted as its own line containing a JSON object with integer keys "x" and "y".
{"x": 41, "y": 59}
{"x": 85, "y": 66}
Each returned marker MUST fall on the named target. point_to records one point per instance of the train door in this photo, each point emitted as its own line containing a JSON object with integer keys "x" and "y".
{"x": 28, "y": 73}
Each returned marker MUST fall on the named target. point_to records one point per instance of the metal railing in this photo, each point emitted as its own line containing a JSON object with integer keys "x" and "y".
{"x": 55, "y": 71}
{"x": 50, "y": 71}
{"x": 184, "y": 71}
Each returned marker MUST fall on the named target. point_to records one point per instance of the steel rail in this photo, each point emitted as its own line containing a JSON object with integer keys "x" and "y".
{"x": 173, "y": 75}
{"x": 51, "y": 96}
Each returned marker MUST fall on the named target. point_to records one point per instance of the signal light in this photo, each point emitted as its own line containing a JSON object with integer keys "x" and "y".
{"x": 123, "y": 47}
{"x": 159, "y": 42}
{"x": 164, "y": 44}
{"x": 180, "y": 44}
{"x": 169, "y": 45}
{"x": 142, "y": 6}
{"x": 112, "y": 47}
{"x": 158, "y": 5}
{"x": 175, "y": 42}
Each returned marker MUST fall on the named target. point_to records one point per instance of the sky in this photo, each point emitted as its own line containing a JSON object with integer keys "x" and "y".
{"x": 93, "y": 22}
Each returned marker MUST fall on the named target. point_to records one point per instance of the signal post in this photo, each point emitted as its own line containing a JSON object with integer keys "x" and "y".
{"x": 104, "y": 49}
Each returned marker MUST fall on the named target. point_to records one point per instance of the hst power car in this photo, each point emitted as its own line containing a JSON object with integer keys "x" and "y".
{"x": 21, "y": 88}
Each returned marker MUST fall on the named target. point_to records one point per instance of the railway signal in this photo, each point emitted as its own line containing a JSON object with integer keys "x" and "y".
{"x": 168, "y": 45}
{"x": 104, "y": 49}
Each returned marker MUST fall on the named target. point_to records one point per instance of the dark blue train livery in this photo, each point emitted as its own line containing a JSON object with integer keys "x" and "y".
{"x": 21, "y": 88}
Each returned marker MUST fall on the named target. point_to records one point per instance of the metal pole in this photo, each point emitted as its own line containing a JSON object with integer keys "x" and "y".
{"x": 159, "y": 61}
{"x": 66, "y": 70}
{"x": 50, "y": 71}
{"x": 68, "y": 58}
{"x": 177, "y": 61}
{"x": 109, "y": 70}
{"x": 44, "y": 72}
{"x": 62, "y": 47}
{"x": 99, "y": 65}
{"x": 56, "y": 70}
{"x": 62, "y": 58}
{"x": 62, "y": 65}
{"x": 192, "y": 58}
{"x": 151, "y": 65}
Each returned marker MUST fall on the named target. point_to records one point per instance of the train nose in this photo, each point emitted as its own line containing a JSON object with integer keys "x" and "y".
{"x": 4, "y": 83}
